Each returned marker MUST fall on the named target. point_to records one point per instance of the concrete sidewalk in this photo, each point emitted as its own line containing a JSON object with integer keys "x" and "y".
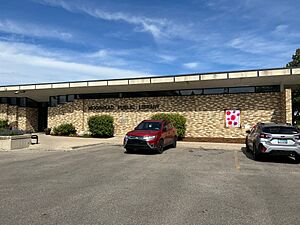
{"x": 50, "y": 143}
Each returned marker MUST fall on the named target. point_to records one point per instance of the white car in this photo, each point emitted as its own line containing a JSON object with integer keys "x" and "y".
{"x": 273, "y": 139}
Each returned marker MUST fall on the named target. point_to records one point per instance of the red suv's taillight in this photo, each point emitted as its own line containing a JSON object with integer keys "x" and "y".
{"x": 263, "y": 135}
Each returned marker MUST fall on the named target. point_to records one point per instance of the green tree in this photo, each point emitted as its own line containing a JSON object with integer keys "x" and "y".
{"x": 296, "y": 94}
{"x": 296, "y": 60}
{"x": 178, "y": 121}
{"x": 296, "y": 106}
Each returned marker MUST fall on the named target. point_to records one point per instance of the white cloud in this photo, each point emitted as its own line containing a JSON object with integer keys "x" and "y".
{"x": 33, "y": 30}
{"x": 24, "y": 63}
{"x": 285, "y": 32}
{"x": 280, "y": 28}
{"x": 239, "y": 60}
{"x": 103, "y": 53}
{"x": 191, "y": 65}
{"x": 167, "y": 58}
{"x": 160, "y": 28}
{"x": 258, "y": 45}
{"x": 108, "y": 57}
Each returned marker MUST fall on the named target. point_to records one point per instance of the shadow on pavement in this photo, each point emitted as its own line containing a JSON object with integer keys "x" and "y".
{"x": 270, "y": 158}
{"x": 148, "y": 152}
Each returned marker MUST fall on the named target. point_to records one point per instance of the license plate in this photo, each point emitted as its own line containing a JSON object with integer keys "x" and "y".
{"x": 282, "y": 141}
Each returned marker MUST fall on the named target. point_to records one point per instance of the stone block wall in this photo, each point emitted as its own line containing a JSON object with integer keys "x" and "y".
{"x": 12, "y": 115}
{"x": 28, "y": 119}
{"x": 205, "y": 113}
{"x": 3, "y": 111}
{"x": 23, "y": 118}
{"x": 71, "y": 112}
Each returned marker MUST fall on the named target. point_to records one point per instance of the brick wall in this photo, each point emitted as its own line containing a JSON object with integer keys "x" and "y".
{"x": 204, "y": 113}
{"x": 287, "y": 105}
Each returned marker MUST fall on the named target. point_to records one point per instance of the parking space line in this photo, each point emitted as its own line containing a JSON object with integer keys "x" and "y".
{"x": 236, "y": 160}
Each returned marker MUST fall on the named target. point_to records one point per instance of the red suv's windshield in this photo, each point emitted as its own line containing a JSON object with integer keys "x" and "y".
{"x": 149, "y": 126}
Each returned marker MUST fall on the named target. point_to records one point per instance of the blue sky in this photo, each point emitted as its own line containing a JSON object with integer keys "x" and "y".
{"x": 52, "y": 40}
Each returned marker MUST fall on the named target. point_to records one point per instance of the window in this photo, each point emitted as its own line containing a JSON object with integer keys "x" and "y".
{"x": 263, "y": 89}
{"x": 198, "y": 91}
{"x": 4, "y": 101}
{"x": 212, "y": 91}
{"x": 208, "y": 91}
{"x": 62, "y": 99}
{"x": 70, "y": 98}
{"x": 13, "y": 101}
{"x": 23, "y": 102}
{"x": 191, "y": 92}
{"x": 53, "y": 101}
{"x": 186, "y": 92}
{"x": 242, "y": 90}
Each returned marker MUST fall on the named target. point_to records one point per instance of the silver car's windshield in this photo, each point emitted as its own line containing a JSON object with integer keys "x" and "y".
{"x": 280, "y": 130}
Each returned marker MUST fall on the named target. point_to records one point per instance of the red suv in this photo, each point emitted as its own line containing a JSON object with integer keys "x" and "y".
{"x": 151, "y": 135}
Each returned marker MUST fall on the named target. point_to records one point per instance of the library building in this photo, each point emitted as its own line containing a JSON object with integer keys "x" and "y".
{"x": 216, "y": 105}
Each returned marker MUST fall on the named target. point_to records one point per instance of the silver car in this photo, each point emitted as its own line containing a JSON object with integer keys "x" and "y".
{"x": 273, "y": 139}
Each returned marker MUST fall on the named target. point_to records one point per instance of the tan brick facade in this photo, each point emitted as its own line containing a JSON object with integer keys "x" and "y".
{"x": 287, "y": 105}
{"x": 23, "y": 118}
{"x": 205, "y": 113}
{"x": 67, "y": 113}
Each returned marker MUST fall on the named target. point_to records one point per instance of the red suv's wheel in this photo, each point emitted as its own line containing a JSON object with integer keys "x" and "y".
{"x": 160, "y": 146}
{"x": 128, "y": 150}
{"x": 174, "y": 144}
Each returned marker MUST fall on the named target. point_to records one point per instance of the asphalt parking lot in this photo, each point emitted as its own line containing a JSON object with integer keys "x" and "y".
{"x": 102, "y": 185}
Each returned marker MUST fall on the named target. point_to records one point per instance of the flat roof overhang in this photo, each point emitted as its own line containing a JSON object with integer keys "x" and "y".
{"x": 42, "y": 91}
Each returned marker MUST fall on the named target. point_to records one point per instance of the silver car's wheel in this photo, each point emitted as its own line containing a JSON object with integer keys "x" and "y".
{"x": 255, "y": 153}
{"x": 297, "y": 158}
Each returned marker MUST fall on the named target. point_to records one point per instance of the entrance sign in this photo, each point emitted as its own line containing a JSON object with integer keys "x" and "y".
{"x": 232, "y": 118}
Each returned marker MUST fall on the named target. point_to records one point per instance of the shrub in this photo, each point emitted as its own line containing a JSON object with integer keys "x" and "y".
{"x": 4, "y": 124}
{"x": 176, "y": 119}
{"x": 65, "y": 129}
{"x": 101, "y": 126}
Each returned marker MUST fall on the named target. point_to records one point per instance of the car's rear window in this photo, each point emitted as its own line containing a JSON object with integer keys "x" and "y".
{"x": 280, "y": 130}
{"x": 149, "y": 126}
